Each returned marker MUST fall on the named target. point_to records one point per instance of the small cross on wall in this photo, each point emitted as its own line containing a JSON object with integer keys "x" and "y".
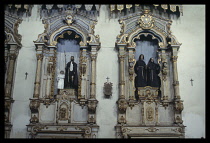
{"x": 107, "y": 79}
{"x": 191, "y": 82}
{"x": 26, "y": 75}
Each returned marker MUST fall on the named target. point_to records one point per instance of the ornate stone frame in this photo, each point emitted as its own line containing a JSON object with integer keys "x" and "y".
{"x": 12, "y": 45}
{"x": 89, "y": 44}
{"x": 160, "y": 30}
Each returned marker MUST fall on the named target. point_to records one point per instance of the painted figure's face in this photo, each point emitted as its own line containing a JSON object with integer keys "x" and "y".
{"x": 152, "y": 60}
{"x": 72, "y": 58}
{"x": 141, "y": 57}
{"x": 62, "y": 72}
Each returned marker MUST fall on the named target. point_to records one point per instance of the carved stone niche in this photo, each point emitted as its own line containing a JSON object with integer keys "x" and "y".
{"x": 64, "y": 113}
{"x": 34, "y": 105}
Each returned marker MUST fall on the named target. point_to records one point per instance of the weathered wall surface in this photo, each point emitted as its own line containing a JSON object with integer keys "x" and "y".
{"x": 190, "y": 31}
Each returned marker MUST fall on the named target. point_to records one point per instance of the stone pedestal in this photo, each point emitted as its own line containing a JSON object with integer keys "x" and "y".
{"x": 149, "y": 97}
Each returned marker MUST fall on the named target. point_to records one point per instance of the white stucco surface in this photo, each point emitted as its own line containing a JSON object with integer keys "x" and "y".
{"x": 190, "y": 31}
{"x": 26, "y": 62}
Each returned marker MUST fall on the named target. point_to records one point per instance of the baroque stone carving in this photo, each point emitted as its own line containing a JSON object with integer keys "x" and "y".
{"x": 34, "y": 119}
{"x": 122, "y": 120}
{"x": 108, "y": 89}
{"x": 92, "y": 104}
{"x": 152, "y": 129}
{"x": 146, "y": 21}
{"x": 34, "y": 105}
{"x": 69, "y": 19}
{"x": 149, "y": 114}
{"x": 122, "y": 105}
{"x": 179, "y": 106}
{"x": 164, "y": 70}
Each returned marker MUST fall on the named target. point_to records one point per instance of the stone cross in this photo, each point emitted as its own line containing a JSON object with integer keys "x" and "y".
{"x": 26, "y": 75}
{"x": 191, "y": 82}
{"x": 107, "y": 79}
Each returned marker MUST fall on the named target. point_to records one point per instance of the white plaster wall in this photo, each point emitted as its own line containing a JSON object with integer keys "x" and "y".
{"x": 190, "y": 31}
{"x": 107, "y": 66}
{"x": 26, "y": 62}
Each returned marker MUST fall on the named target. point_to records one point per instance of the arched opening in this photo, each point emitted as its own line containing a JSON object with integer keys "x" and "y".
{"x": 67, "y": 47}
{"x": 147, "y": 71}
{"x": 148, "y": 47}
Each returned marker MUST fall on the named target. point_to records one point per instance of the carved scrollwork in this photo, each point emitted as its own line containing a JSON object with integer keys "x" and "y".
{"x": 122, "y": 120}
{"x": 92, "y": 104}
{"x": 61, "y": 128}
{"x": 178, "y": 130}
{"x": 37, "y": 128}
{"x": 152, "y": 129}
{"x": 178, "y": 120}
{"x": 91, "y": 119}
{"x": 179, "y": 106}
{"x": 125, "y": 130}
{"x": 94, "y": 39}
{"x": 34, "y": 119}
{"x": 87, "y": 130}
{"x": 122, "y": 105}
{"x": 34, "y": 105}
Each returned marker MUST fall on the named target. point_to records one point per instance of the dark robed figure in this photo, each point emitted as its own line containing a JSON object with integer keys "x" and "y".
{"x": 71, "y": 78}
{"x": 153, "y": 70}
{"x": 140, "y": 70}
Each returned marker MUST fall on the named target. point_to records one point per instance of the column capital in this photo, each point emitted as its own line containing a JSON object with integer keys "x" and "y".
{"x": 174, "y": 58}
{"x": 93, "y": 57}
{"x": 39, "y": 57}
{"x": 12, "y": 56}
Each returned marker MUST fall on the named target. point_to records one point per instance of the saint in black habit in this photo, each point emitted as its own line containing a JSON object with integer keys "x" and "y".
{"x": 140, "y": 70}
{"x": 153, "y": 70}
{"x": 71, "y": 77}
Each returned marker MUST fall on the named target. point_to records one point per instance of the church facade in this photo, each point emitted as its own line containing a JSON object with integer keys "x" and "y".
{"x": 97, "y": 71}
